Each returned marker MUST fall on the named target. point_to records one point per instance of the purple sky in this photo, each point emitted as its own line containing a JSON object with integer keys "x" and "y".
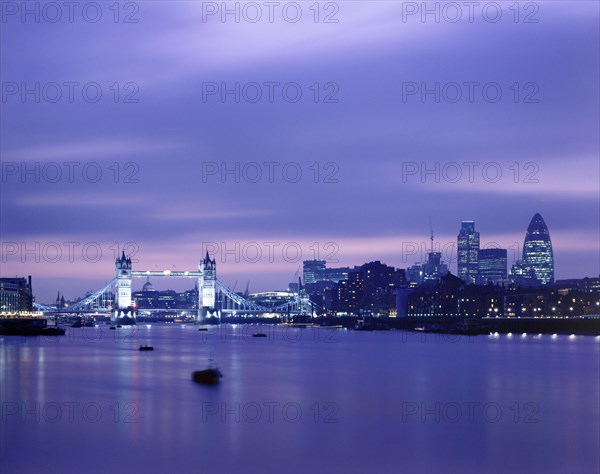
{"x": 364, "y": 141}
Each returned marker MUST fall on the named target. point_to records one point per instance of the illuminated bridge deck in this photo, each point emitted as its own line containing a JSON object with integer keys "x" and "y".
{"x": 163, "y": 273}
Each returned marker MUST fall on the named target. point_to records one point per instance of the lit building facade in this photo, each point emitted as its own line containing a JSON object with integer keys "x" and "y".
{"x": 272, "y": 298}
{"x": 492, "y": 265}
{"x": 311, "y": 271}
{"x": 468, "y": 252}
{"x": 369, "y": 290}
{"x": 433, "y": 269}
{"x": 15, "y": 295}
{"x": 315, "y": 271}
{"x": 537, "y": 264}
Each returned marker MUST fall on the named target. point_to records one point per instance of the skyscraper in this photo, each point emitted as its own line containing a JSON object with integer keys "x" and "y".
{"x": 537, "y": 265}
{"x": 312, "y": 270}
{"x": 468, "y": 252}
{"x": 492, "y": 265}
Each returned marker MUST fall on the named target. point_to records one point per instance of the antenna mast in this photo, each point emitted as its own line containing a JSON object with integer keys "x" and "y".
{"x": 431, "y": 229}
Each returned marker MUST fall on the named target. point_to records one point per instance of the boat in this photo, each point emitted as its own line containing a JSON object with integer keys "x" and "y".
{"x": 113, "y": 327}
{"x": 300, "y": 325}
{"x": 32, "y": 331}
{"x": 462, "y": 327}
{"x": 146, "y": 348}
{"x": 259, "y": 334}
{"x": 208, "y": 376}
{"x": 202, "y": 329}
{"x": 53, "y": 331}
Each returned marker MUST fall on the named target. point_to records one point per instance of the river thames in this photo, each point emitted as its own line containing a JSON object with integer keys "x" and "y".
{"x": 298, "y": 400}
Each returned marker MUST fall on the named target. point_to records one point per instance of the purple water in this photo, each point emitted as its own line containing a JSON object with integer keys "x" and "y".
{"x": 299, "y": 400}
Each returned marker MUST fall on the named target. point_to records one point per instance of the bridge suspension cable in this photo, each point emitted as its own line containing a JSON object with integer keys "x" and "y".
{"x": 103, "y": 296}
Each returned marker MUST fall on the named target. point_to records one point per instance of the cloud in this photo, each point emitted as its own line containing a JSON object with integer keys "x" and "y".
{"x": 101, "y": 149}
{"x": 551, "y": 177}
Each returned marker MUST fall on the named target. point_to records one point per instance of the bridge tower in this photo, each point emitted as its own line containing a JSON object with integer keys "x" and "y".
{"x": 123, "y": 313}
{"x": 207, "y": 287}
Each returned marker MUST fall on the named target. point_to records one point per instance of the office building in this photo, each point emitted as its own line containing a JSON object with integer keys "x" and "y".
{"x": 312, "y": 271}
{"x": 537, "y": 264}
{"x": 492, "y": 265}
{"x": 468, "y": 252}
{"x": 15, "y": 295}
{"x": 433, "y": 269}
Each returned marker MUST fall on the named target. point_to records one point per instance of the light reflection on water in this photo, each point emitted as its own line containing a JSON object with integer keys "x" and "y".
{"x": 369, "y": 402}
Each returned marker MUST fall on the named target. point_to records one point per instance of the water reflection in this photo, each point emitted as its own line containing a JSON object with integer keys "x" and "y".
{"x": 298, "y": 402}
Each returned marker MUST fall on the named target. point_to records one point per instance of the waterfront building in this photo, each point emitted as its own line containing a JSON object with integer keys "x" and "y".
{"x": 527, "y": 303}
{"x": 369, "y": 290}
{"x": 586, "y": 284}
{"x": 435, "y": 298}
{"x": 16, "y": 295}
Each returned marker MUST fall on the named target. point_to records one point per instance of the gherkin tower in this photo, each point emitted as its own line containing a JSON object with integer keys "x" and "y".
{"x": 537, "y": 251}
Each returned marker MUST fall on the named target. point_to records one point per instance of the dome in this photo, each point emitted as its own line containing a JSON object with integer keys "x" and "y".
{"x": 148, "y": 286}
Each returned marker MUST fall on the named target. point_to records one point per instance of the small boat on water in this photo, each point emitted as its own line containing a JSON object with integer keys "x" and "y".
{"x": 259, "y": 334}
{"x": 207, "y": 376}
{"x": 202, "y": 329}
{"x": 146, "y": 348}
{"x": 113, "y": 327}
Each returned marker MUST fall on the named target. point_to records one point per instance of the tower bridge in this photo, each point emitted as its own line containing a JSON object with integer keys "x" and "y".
{"x": 214, "y": 297}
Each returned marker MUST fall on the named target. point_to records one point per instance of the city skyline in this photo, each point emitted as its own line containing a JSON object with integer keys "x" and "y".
{"x": 316, "y": 237}
{"x": 267, "y": 274}
{"x": 227, "y": 262}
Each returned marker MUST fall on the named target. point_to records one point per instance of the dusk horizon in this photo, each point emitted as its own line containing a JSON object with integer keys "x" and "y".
{"x": 268, "y": 264}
